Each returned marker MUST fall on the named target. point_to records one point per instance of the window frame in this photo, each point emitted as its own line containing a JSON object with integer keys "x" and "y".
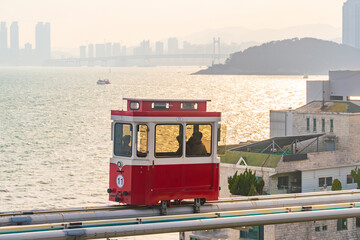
{"x": 283, "y": 186}
{"x": 164, "y": 124}
{"x": 314, "y": 125}
{"x": 147, "y": 139}
{"x": 211, "y": 140}
{"x": 331, "y": 125}
{"x": 131, "y": 140}
{"x": 323, "y": 123}
{"x": 308, "y": 124}
{"x": 347, "y": 179}
{"x": 325, "y": 181}
{"x": 342, "y": 224}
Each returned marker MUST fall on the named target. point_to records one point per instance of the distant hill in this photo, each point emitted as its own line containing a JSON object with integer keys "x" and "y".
{"x": 239, "y": 34}
{"x": 292, "y": 56}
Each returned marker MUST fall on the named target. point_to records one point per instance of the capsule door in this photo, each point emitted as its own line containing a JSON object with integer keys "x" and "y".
{"x": 167, "y": 164}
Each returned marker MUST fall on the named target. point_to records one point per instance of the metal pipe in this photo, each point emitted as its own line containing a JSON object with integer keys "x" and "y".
{"x": 181, "y": 226}
{"x": 134, "y": 213}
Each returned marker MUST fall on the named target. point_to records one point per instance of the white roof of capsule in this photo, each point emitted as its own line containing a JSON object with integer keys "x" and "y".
{"x": 167, "y": 100}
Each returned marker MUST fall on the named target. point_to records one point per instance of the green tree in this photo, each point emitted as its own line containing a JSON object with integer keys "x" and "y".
{"x": 355, "y": 173}
{"x": 260, "y": 186}
{"x": 241, "y": 184}
{"x": 336, "y": 185}
{"x": 252, "y": 191}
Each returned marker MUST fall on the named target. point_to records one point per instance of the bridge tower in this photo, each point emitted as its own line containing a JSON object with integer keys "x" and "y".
{"x": 216, "y": 51}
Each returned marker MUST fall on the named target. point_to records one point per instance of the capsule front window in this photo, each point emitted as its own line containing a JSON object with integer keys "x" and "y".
{"x": 123, "y": 133}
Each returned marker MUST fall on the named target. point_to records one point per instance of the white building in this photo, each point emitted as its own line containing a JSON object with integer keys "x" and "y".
{"x": 341, "y": 86}
{"x": 351, "y": 27}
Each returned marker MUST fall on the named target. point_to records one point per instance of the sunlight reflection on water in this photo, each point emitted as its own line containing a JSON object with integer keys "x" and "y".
{"x": 55, "y": 123}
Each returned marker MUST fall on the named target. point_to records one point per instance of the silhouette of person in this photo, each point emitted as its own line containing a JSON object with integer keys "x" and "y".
{"x": 179, "y": 139}
{"x": 195, "y": 146}
{"x": 125, "y": 147}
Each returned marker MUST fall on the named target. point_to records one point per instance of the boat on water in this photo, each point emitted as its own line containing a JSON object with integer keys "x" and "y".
{"x": 103, "y": 81}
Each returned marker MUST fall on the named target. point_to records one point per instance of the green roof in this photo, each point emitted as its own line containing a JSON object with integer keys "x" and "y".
{"x": 252, "y": 159}
{"x": 330, "y": 106}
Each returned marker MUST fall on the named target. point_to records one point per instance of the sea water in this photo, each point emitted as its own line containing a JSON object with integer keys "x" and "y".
{"x": 55, "y": 123}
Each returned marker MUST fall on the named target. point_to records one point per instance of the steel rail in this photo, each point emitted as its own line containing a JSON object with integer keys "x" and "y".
{"x": 164, "y": 224}
{"x": 41, "y": 227}
{"x": 147, "y": 212}
{"x": 185, "y": 202}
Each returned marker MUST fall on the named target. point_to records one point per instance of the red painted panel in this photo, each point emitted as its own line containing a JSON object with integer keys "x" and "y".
{"x": 165, "y": 114}
{"x": 147, "y": 185}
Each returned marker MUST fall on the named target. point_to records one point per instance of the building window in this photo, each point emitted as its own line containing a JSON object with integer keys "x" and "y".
{"x": 342, "y": 224}
{"x": 283, "y": 182}
{"x": 256, "y": 233}
{"x": 317, "y": 229}
{"x": 358, "y": 222}
{"x": 331, "y": 125}
{"x": 308, "y": 124}
{"x": 168, "y": 140}
{"x": 324, "y": 228}
{"x": 314, "y": 126}
{"x": 349, "y": 179}
{"x": 325, "y": 180}
{"x": 337, "y": 98}
{"x": 323, "y": 124}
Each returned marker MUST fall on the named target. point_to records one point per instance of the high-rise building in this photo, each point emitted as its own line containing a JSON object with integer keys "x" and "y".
{"x": 90, "y": 50}
{"x": 42, "y": 41}
{"x": 100, "y": 50}
{"x": 116, "y": 49}
{"x": 159, "y": 48}
{"x": 173, "y": 46}
{"x": 108, "y": 49}
{"x": 82, "y": 51}
{"x": 14, "y": 37}
{"x": 3, "y": 37}
{"x": 351, "y": 23}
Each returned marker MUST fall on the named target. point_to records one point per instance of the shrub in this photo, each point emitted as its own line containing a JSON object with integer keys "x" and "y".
{"x": 242, "y": 184}
{"x": 355, "y": 173}
{"x": 336, "y": 185}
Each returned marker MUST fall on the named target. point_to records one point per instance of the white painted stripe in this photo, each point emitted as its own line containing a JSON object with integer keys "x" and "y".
{"x": 157, "y": 119}
{"x": 165, "y": 161}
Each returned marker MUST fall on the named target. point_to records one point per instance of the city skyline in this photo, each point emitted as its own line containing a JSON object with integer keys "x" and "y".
{"x": 84, "y": 22}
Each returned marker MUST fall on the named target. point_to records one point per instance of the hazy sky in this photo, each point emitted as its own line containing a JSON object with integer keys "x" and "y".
{"x": 77, "y": 22}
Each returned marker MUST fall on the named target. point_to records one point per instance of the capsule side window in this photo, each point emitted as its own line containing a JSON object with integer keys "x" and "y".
{"x": 198, "y": 140}
{"x": 168, "y": 140}
{"x": 142, "y": 140}
{"x": 123, "y": 139}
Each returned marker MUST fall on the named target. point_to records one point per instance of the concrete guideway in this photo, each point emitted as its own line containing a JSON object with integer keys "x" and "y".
{"x": 179, "y": 223}
{"x": 238, "y": 203}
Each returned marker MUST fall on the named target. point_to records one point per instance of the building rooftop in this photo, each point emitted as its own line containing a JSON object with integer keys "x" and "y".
{"x": 330, "y": 106}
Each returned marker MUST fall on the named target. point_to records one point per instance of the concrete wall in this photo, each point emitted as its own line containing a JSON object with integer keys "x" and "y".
{"x": 281, "y": 123}
{"x": 354, "y": 137}
{"x": 314, "y": 91}
{"x": 345, "y": 83}
{"x": 310, "y": 179}
{"x": 341, "y": 127}
{"x": 306, "y": 230}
